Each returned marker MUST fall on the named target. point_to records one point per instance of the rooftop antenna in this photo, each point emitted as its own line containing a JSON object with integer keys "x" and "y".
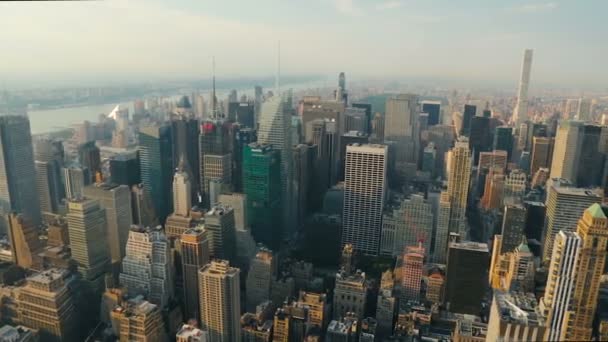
{"x": 277, "y": 81}
{"x": 213, "y": 98}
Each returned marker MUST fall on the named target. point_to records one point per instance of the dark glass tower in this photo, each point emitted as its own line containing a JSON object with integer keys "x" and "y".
{"x": 185, "y": 138}
{"x": 243, "y": 113}
{"x": 434, "y": 111}
{"x": 89, "y": 157}
{"x": 262, "y": 185}
{"x": 368, "y": 114}
{"x": 503, "y": 139}
{"x": 467, "y": 115}
{"x": 124, "y": 169}
{"x": 591, "y": 159}
{"x": 466, "y": 277}
{"x": 156, "y": 158}
{"x": 242, "y": 138}
{"x": 480, "y": 139}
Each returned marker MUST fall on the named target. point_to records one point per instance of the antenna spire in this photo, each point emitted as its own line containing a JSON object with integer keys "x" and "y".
{"x": 213, "y": 97}
{"x": 277, "y": 82}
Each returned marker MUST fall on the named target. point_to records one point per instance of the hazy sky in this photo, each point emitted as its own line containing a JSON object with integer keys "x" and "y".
{"x": 463, "y": 39}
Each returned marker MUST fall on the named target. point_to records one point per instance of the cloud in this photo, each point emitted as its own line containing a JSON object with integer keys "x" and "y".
{"x": 387, "y": 5}
{"x": 535, "y": 7}
{"x": 347, "y": 7}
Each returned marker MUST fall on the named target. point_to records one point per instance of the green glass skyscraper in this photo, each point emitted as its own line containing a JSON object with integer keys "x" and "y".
{"x": 262, "y": 185}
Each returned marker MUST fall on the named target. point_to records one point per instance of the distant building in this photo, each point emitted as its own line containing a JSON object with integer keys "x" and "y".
{"x": 156, "y": 157}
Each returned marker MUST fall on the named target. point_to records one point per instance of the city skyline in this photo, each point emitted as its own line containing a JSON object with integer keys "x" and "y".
{"x": 470, "y": 40}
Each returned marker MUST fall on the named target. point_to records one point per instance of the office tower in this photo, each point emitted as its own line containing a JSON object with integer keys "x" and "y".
{"x": 480, "y": 136}
{"x": 520, "y": 114}
{"x": 590, "y": 159}
{"x": 242, "y": 113}
{"x": 386, "y": 310}
{"x": 220, "y": 301}
{"x": 261, "y": 184}
{"x": 75, "y": 178}
{"x": 355, "y": 120}
{"x": 259, "y": 278}
{"x": 466, "y": 276}
{"x": 190, "y": 333}
{"x": 147, "y": 266}
{"x": 433, "y": 108}
{"x": 364, "y": 193}
{"x": 407, "y": 225}
{"x": 584, "y": 111}
{"x": 115, "y": 200}
{"x": 515, "y": 186}
{"x": 139, "y": 320}
{"x": 368, "y": 114}
{"x": 219, "y": 222}
{"x": 440, "y": 245}
{"x": 489, "y": 160}
{"x": 88, "y": 241}
{"x": 48, "y": 180}
{"x": 521, "y": 272}
{"x": 18, "y": 173}
{"x": 493, "y": 189}
{"x": 185, "y": 135}
{"x": 515, "y": 316}
{"x": 25, "y": 245}
{"x": 513, "y": 227}
{"x": 302, "y": 172}
{"x": 535, "y": 219}
{"x": 348, "y": 138}
{"x": 350, "y": 294}
{"x": 524, "y": 161}
{"x": 275, "y": 130}
{"x": 458, "y": 184}
{"x": 195, "y": 254}
{"x": 565, "y": 205}
{"x": 182, "y": 189}
{"x": 567, "y": 149}
{"x": 89, "y": 157}
{"x": 593, "y": 231}
{"x": 245, "y": 244}
{"x": 46, "y": 304}
{"x": 435, "y": 281}
{"x": 401, "y": 126}
{"x": 142, "y": 207}
{"x": 467, "y": 115}
{"x": 214, "y": 148}
{"x": 413, "y": 262}
{"x": 542, "y": 151}
{"x": 429, "y": 157}
{"x": 243, "y": 137}
{"x": 503, "y": 139}
{"x": 124, "y": 169}
{"x": 156, "y": 157}
{"x": 563, "y": 267}
{"x": 377, "y": 128}
{"x": 539, "y": 178}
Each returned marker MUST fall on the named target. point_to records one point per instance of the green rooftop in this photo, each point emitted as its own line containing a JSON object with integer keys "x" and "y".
{"x": 596, "y": 211}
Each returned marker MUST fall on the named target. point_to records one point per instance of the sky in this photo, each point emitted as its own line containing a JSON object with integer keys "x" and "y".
{"x": 142, "y": 40}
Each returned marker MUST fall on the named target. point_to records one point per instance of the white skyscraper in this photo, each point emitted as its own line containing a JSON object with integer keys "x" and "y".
{"x": 182, "y": 200}
{"x": 364, "y": 192}
{"x": 566, "y": 150}
{"x": 275, "y": 130}
{"x": 520, "y": 115}
{"x": 560, "y": 285}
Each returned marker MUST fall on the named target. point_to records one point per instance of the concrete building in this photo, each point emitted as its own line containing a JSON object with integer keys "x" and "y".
{"x": 194, "y": 255}
{"x": 138, "y": 320}
{"x": 413, "y": 262}
{"x": 401, "y": 125}
{"x": 364, "y": 193}
{"x": 520, "y": 114}
{"x": 350, "y": 294}
{"x": 25, "y": 244}
{"x": 515, "y": 316}
{"x": 440, "y": 246}
{"x": 542, "y": 153}
{"x": 259, "y": 278}
{"x": 407, "y": 225}
{"x": 147, "y": 267}
{"x": 220, "y": 301}
{"x": 458, "y": 184}
{"x": 75, "y": 179}
{"x": 219, "y": 222}
{"x": 567, "y": 149}
{"x": 466, "y": 276}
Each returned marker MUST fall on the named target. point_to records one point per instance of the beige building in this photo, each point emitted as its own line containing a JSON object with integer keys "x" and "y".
{"x": 350, "y": 294}
{"x": 219, "y": 292}
{"x": 567, "y": 147}
{"x": 542, "y": 153}
{"x": 24, "y": 242}
{"x": 194, "y": 255}
{"x": 458, "y": 184}
{"x": 515, "y": 316}
{"x": 139, "y": 320}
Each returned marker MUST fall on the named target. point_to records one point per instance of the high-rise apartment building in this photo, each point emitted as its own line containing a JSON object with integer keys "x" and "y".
{"x": 466, "y": 276}
{"x": 565, "y": 205}
{"x": 46, "y": 304}
{"x": 261, "y": 184}
{"x": 520, "y": 114}
{"x": 195, "y": 254}
{"x": 18, "y": 172}
{"x": 156, "y": 156}
{"x": 88, "y": 241}
{"x": 560, "y": 283}
{"x": 593, "y": 231}
{"x": 275, "y": 130}
{"x": 413, "y": 262}
{"x": 115, "y": 200}
{"x": 364, "y": 193}
{"x": 219, "y": 222}
{"x": 259, "y": 278}
{"x": 458, "y": 184}
{"x": 220, "y": 301}
{"x": 147, "y": 268}
{"x": 440, "y": 245}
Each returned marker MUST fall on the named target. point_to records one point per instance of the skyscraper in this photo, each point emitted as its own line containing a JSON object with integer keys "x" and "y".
{"x": 503, "y": 139}
{"x": 243, "y": 137}
{"x": 590, "y": 158}
{"x": 261, "y": 184}
{"x": 567, "y": 150}
{"x": 220, "y": 301}
{"x": 458, "y": 184}
{"x": 139, "y": 320}
{"x": 259, "y": 278}
{"x": 88, "y": 241}
{"x": 407, "y": 225}
{"x": 182, "y": 188}
{"x": 520, "y": 114}
{"x": 433, "y": 108}
{"x": 513, "y": 227}
{"x": 115, "y": 200}
{"x": 185, "y": 148}
{"x": 440, "y": 245}
{"x": 467, "y": 115}
{"x": 49, "y": 159}
{"x": 413, "y": 262}
{"x": 466, "y": 276}
{"x": 147, "y": 266}
{"x": 194, "y": 255}
{"x": 275, "y": 130}
{"x": 124, "y": 169}
{"x": 560, "y": 284}
{"x": 515, "y": 316}
{"x": 350, "y": 294}
{"x": 364, "y": 193}
{"x": 219, "y": 222}
{"x": 17, "y": 170}
{"x": 214, "y": 148}
{"x": 24, "y": 241}
{"x": 401, "y": 126}
{"x": 593, "y": 231}
{"x": 75, "y": 178}
{"x": 542, "y": 153}
{"x": 89, "y": 157}
{"x": 156, "y": 156}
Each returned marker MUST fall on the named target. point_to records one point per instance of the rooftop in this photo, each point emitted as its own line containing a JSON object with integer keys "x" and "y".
{"x": 478, "y": 246}
{"x": 48, "y": 276}
{"x": 188, "y": 332}
{"x": 518, "y": 307}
